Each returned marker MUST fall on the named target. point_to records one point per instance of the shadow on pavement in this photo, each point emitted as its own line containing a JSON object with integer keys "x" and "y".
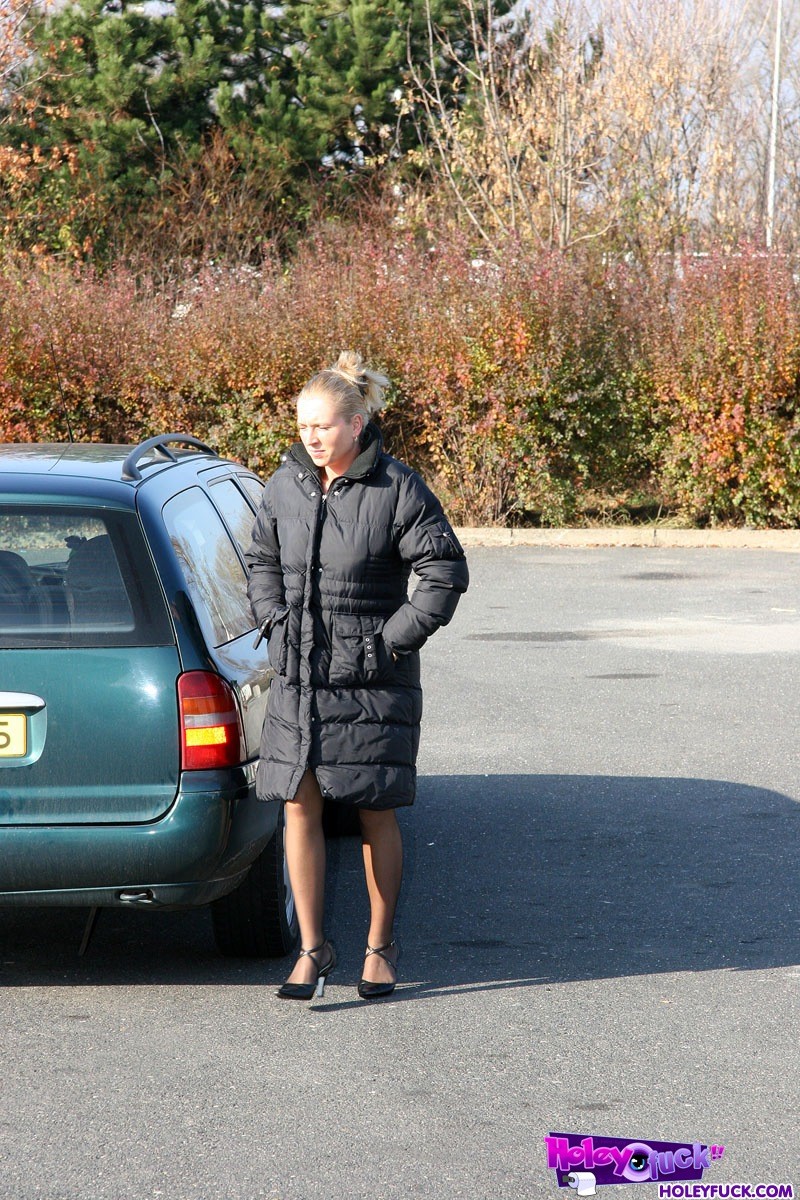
{"x": 511, "y": 880}
{"x": 557, "y": 878}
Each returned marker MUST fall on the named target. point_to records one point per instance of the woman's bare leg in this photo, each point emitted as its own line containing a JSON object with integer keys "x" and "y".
{"x": 305, "y": 858}
{"x": 383, "y": 867}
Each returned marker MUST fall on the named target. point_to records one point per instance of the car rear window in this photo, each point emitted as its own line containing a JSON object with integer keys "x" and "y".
{"x": 74, "y": 576}
{"x": 214, "y": 574}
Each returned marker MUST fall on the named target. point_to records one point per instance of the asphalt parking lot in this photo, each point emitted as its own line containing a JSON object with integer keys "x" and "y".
{"x": 599, "y": 925}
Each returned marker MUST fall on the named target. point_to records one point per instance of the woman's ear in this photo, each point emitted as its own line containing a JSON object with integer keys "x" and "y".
{"x": 358, "y": 426}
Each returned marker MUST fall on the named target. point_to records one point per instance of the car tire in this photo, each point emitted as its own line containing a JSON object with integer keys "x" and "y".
{"x": 257, "y": 919}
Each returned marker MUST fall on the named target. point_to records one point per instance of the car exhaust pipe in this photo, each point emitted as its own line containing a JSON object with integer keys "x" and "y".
{"x": 139, "y": 897}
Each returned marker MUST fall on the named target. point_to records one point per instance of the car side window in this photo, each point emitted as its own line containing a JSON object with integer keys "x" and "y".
{"x": 254, "y": 488}
{"x": 215, "y": 577}
{"x": 237, "y": 513}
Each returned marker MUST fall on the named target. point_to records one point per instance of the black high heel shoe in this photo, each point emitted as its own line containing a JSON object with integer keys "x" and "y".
{"x": 376, "y": 991}
{"x": 306, "y": 991}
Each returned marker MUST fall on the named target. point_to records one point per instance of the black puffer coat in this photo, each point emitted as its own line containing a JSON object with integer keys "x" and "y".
{"x": 329, "y": 587}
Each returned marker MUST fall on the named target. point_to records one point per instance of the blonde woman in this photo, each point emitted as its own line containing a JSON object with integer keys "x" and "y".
{"x": 340, "y": 528}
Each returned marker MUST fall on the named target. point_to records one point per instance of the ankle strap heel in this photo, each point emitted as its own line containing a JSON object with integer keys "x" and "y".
{"x": 376, "y": 991}
{"x": 307, "y": 991}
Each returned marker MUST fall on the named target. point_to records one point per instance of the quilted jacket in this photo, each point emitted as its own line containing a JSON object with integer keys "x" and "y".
{"x": 328, "y": 586}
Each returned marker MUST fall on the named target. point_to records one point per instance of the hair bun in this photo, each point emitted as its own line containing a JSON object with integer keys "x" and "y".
{"x": 372, "y": 384}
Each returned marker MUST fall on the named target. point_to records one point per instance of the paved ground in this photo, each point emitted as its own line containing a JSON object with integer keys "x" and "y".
{"x": 599, "y": 924}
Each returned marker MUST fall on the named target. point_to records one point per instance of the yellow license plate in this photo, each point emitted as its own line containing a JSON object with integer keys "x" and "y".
{"x": 13, "y": 735}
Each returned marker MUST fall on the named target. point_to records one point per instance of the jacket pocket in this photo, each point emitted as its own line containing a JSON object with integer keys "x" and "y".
{"x": 444, "y": 541}
{"x": 357, "y": 652}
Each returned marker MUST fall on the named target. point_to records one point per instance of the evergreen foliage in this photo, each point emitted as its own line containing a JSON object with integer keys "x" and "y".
{"x": 120, "y": 91}
{"x": 123, "y": 96}
{"x": 325, "y": 84}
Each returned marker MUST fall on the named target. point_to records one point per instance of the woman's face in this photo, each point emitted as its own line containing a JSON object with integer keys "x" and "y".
{"x": 330, "y": 439}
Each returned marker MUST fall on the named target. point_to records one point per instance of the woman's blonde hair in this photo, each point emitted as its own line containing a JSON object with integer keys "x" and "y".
{"x": 352, "y": 388}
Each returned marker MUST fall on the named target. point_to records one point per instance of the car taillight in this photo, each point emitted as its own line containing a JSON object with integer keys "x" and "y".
{"x": 211, "y": 732}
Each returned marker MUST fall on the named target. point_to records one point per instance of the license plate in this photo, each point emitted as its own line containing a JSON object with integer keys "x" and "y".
{"x": 13, "y": 735}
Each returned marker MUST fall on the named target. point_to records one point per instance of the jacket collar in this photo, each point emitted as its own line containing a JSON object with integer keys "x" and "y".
{"x": 364, "y": 465}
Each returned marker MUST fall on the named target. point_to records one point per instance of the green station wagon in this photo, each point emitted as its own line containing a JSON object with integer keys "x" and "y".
{"x": 132, "y": 690}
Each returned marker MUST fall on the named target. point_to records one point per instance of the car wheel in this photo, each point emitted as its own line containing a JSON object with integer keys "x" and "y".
{"x": 257, "y": 919}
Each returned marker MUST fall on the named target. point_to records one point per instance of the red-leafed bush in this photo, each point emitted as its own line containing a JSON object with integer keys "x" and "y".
{"x": 536, "y": 388}
{"x": 508, "y": 389}
{"x": 722, "y": 342}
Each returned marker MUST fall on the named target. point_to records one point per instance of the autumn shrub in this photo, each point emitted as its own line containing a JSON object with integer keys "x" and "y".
{"x": 210, "y": 206}
{"x": 510, "y": 385}
{"x": 511, "y": 388}
{"x": 119, "y": 358}
{"x": 76, "y": 352}
{"x": 527, "y": 389}
{"x": 721, "y": 338}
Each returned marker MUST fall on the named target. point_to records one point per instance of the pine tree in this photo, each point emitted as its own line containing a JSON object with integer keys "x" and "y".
{"x": 121, "y": 91}
{"x": 128, "y": 93}
{"x": 328, "y": 88}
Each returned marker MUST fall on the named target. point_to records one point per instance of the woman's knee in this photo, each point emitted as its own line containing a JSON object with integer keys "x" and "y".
{"x": 307, "y": 802}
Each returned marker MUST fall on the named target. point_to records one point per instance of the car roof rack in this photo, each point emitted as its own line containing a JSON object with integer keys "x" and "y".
{"x": 159, "y": 445}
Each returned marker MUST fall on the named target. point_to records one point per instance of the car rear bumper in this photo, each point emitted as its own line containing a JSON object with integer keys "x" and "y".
{"x": 199, "y": 850}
